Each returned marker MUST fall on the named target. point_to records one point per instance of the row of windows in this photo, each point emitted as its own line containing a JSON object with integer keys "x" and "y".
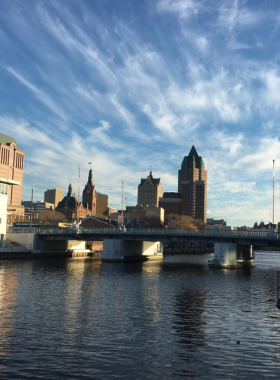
{"x": 19, "y": 161}
{"x": 5, "y": 156}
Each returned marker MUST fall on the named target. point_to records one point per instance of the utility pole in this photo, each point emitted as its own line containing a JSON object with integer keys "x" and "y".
{"x": 122, "y": 205}
{"x": 273, "y": 196}
{"x": 79, "y": 190}
{"x": 31, "y": 208}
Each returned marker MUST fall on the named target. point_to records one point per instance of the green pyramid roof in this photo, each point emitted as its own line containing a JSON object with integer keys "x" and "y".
{"x": 7, "y": 140}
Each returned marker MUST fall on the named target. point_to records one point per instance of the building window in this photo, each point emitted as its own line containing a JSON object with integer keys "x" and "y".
{"x": 4, "y": 189}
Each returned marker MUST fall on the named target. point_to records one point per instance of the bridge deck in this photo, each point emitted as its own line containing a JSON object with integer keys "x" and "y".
{"x": 258, "y": 238}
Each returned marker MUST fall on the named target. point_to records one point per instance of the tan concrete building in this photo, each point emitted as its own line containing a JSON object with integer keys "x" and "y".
{"x": 101, "y": 205}
{"x": 11, "y": 167}
{"x": 149, "y": 191}
{"x": 53, "y": 196}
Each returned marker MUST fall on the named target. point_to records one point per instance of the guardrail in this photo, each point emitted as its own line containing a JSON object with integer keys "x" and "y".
{"x": 268, "y": 234}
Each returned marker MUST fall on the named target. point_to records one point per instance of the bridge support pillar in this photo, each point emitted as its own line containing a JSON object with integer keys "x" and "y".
{"x": 232, "y": 255}
{"x": 121, "y": 250}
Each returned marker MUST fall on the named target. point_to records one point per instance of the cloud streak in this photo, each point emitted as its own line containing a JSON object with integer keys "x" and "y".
{"x": 97, "y": 83}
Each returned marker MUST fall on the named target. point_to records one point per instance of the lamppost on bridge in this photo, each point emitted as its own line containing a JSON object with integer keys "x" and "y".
{"x": 31, "y": 207}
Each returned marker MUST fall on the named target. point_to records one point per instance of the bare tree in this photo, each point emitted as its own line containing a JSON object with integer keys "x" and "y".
{"x": 51, "y": 217}
{"x": 184, "y": 221}
{"x": 151, "y": 220}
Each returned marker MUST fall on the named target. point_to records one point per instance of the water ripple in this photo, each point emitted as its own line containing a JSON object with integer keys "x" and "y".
{"x": 72, "y": 319}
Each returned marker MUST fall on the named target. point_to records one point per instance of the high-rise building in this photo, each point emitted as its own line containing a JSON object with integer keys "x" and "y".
{"x": 11, "y": 167}
{"x": 192, "y": 184}
{"x": 53, "y": 196}
{"x": 149, "y": 191}
{"x": 101, "y": 205}
{"x": 191, "y": 199}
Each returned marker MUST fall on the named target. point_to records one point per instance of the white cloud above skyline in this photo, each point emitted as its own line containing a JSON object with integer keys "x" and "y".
{"x": 129, "y": 86}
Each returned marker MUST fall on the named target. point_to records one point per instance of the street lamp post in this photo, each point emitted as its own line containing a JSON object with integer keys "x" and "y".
{"x": 31, "y": 207}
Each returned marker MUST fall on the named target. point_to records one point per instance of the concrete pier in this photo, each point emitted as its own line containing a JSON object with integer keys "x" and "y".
{"x": 121, "y": 250}
{"x": 232, "y": 255}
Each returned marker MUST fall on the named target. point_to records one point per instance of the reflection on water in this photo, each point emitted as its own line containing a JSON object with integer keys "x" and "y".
{"x": 154, "y": 320}
{"x": 8, "y": 285}
{"x": 189, "y": 325}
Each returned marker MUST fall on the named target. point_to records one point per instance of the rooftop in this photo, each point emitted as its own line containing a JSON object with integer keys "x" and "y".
{"x": 7, "y": 140}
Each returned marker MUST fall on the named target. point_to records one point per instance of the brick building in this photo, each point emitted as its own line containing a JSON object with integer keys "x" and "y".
{"x": 11, "y": 167}
{"x": 93, "y": 203}
{"x": 171, "y": 203}
{"x": 96, "y": 203}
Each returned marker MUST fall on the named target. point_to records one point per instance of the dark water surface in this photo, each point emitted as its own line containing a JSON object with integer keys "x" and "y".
{"x": 82, "y": 319}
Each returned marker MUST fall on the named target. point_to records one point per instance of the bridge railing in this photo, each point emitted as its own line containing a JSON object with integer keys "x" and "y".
{"x": 153, "y": 231}
{"x": 271, "y": 234}
{"x": 183, "y": 232}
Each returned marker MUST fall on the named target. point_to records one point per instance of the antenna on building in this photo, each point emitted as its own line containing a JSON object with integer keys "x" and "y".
{"x": 122, "y": 205}
{"x": 273, "y": 196}
{"x": 79, "y": 188}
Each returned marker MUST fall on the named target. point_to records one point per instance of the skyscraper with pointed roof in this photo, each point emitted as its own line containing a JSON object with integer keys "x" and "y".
{"x": 191, "y": 199}
{"x": 192, "y": 184}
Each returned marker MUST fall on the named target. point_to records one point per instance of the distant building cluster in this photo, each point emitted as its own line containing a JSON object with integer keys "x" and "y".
{"x": 93, "y": 203}
{"x": 190, "y": 199}
{"x": 152, "y": 209}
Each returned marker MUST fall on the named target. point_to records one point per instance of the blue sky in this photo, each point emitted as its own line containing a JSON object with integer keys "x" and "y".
{"x": 129, "y": 84}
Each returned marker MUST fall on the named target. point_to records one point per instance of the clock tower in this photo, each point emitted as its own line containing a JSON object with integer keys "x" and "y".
{"x": 89, "y": 196}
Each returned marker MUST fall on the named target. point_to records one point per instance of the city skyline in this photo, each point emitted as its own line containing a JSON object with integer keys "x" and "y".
{"x": 130, "y": 86}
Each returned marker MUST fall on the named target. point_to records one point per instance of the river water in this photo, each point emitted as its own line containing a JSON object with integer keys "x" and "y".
{"x": 83, "y": 319}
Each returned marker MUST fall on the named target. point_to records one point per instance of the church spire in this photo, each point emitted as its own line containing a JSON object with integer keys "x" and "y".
{"x": 90, "y": 182}
{"x": 69, "y": 194}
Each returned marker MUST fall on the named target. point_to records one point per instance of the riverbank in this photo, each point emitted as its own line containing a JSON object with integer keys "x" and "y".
{"x": 20, "y": 252}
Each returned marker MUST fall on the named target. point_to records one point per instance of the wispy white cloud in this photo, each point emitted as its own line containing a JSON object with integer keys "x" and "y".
{"x": 97, "y": 83}
{"x": 184, "y": 8}
{"x": 235, "y": 14}
{"x": 27, "y": 134}
{"x": 43, "y": 97}
{"x": 260, "y": 160}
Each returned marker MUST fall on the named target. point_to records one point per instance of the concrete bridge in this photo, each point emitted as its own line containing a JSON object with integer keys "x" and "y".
{"x": 231, "y": 248}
